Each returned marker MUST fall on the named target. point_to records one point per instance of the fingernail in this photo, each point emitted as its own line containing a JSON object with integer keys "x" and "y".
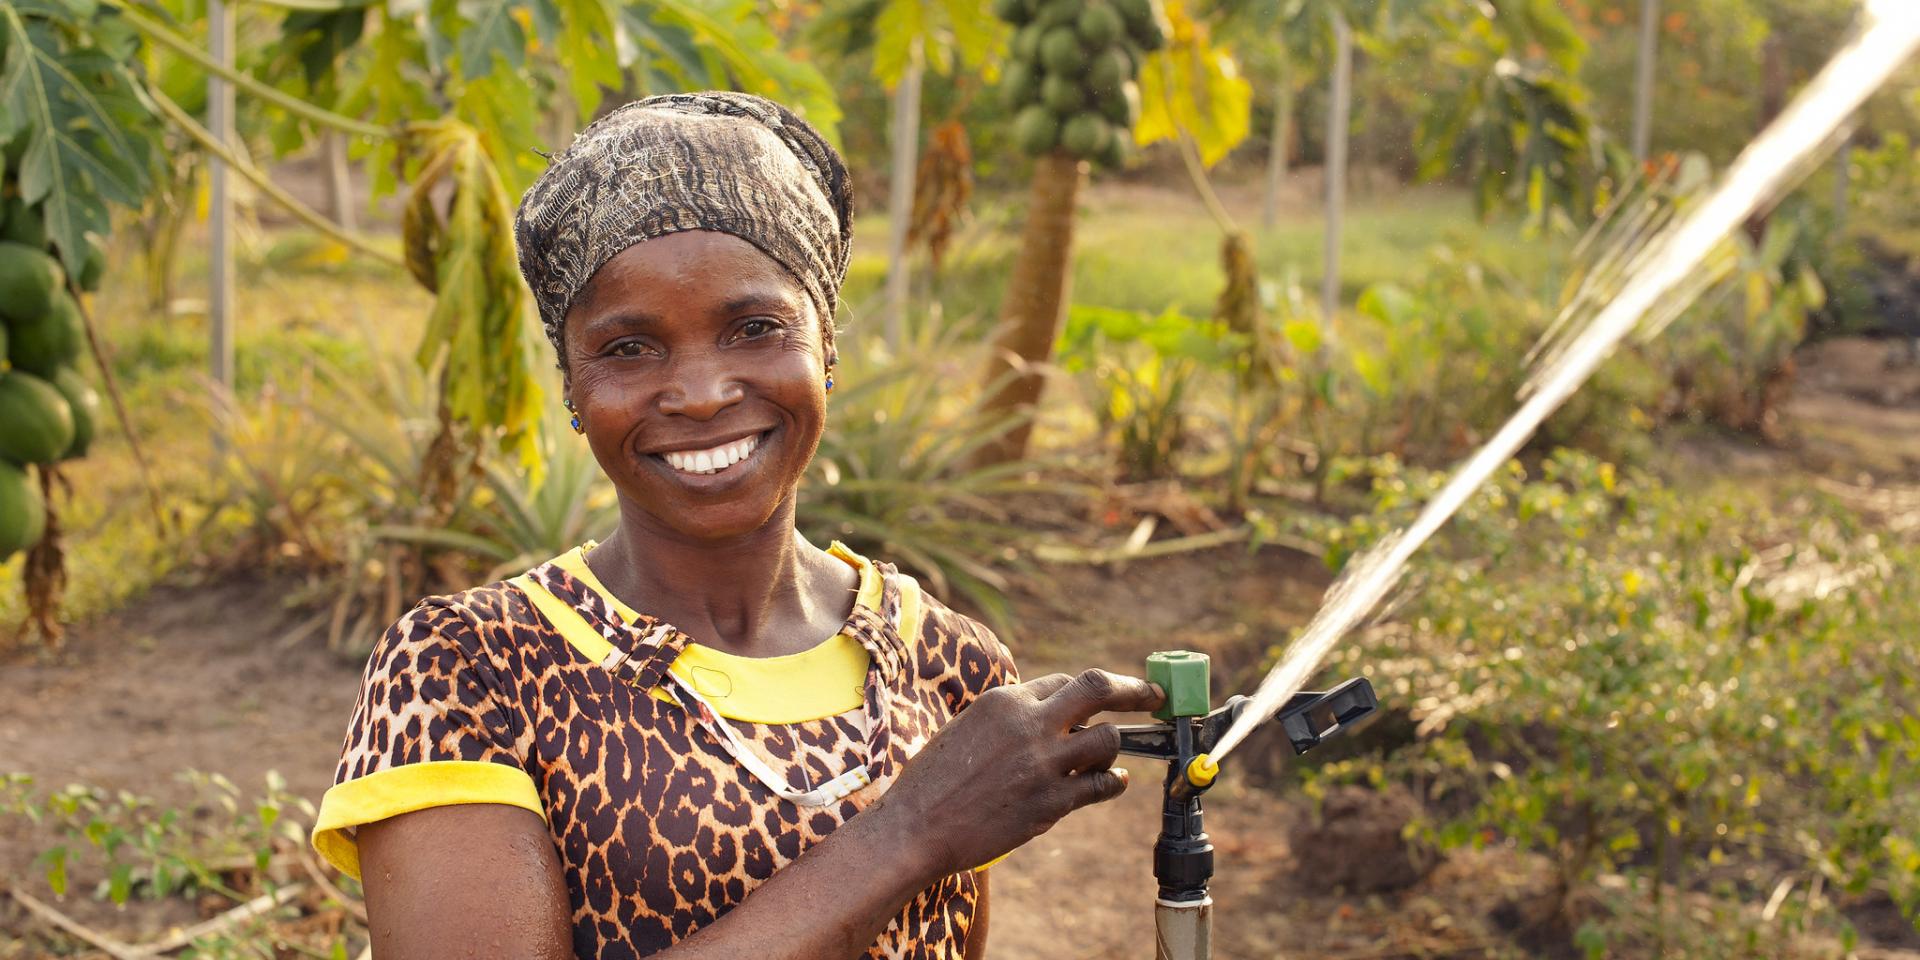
{"x": 1125, "y": 777}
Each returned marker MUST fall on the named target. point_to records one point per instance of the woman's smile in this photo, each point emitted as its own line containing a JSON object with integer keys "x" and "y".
{"x": 705, "y": 465}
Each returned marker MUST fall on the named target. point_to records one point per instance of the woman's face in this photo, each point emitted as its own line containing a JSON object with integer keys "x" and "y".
{"x": 695, "y": 363}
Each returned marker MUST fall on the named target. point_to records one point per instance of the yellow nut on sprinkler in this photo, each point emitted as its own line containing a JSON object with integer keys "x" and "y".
{"x": 1201, "y": 771}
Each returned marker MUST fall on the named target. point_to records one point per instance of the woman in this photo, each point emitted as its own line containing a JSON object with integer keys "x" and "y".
{"x": 659, "y": 744}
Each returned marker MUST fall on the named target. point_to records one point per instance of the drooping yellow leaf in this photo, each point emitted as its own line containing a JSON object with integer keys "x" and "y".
{"x": 1193, "y": 88}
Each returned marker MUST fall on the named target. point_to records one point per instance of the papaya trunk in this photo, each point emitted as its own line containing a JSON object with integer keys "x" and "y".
{"x": 1036, "y": 301}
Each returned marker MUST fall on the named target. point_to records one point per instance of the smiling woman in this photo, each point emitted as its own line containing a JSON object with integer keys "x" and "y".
{"x": 704, "y": 736}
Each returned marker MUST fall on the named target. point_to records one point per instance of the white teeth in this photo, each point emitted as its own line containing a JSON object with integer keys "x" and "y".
{"x": 714, "y": 460}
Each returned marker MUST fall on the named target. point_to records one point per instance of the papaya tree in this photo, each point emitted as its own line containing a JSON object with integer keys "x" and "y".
{"x": 1071, "y": 80}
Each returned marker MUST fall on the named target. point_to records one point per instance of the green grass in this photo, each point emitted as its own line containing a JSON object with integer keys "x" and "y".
{"x": 1150, "y": 250}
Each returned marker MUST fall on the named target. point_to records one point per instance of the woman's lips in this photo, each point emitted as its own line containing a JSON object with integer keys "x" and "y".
{"x": 720, "y": 459}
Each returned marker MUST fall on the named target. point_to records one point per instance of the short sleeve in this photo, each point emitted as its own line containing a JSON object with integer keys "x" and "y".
{"x": 979, "y": 660}
{"x": 435, "y": 725}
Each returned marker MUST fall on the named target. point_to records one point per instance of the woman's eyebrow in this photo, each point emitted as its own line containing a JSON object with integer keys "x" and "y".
{"x": 759, "y": 300}
{"x": 623, "y": 320}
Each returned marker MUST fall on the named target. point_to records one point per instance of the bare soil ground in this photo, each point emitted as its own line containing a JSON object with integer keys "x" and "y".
{"x": 198, "y": 675}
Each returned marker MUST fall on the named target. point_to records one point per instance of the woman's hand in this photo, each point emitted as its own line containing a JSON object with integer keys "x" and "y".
{"x": 1010, "y": 766}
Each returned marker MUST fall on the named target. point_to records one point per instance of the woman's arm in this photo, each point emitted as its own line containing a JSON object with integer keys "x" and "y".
{"x": 485, "y": 880}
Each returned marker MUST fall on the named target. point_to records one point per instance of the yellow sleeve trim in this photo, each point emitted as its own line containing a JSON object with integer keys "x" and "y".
{"x": 416, "y": 786}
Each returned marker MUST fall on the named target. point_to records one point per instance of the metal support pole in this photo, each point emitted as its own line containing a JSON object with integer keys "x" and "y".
{"x": 339, "y": 181}
{"x": 1183, "y": 931}
{"x": 906, "y": 154}
{"x": 1338, "y": 114}
{"x": 220, "y": 209}
{"x": 1643, "y": 82}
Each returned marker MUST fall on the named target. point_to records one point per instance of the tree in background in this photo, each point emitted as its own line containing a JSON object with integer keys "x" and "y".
{"x": 1071, "y": 76}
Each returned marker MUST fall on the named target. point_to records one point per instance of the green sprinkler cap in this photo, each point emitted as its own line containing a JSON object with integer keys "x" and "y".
{"x": 1183, "y": 675}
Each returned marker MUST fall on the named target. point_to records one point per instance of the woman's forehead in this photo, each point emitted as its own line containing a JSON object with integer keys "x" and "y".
{"x": 717, "y": 269}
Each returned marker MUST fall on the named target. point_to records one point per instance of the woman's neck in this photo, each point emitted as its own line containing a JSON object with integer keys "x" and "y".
{"x": 765, "y": 593}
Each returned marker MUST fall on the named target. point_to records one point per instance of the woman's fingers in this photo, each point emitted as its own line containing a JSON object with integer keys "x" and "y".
{"x": 1045, "y": 687}
{"x": 1097, "y": 691}
{"x": 1092, "y": 748}
{"x": 1097, "y": 786}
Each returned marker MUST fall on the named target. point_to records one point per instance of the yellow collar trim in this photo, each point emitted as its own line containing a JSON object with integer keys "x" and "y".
{"x": 825, "y": 680}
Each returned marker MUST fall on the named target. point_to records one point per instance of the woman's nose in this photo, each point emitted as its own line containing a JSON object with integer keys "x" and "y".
{"x": 699, "y": 388}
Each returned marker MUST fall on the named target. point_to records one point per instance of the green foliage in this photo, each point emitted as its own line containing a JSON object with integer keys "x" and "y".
{"x": 950, "y": 34}
{"x": 515, "y": 522}
{"x": 221, "y": 847}
{"x": 1719, "y": 696}
{"x": 76, "y": 134}
{"x": 1513, "y": 123}
{"x": 137, "y": 848}
{"x": 1730, "y": 355}
{"x": 893, "y": 476}
{"x": 1139, "y": 372}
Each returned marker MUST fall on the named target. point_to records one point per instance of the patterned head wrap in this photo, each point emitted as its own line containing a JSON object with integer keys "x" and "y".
{"x": 728, "y": 162}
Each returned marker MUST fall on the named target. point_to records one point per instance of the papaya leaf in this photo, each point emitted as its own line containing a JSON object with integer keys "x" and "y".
{"x": 591, "y": 63}
{"x": 748, "y": 52}
{"x": 1193, "y": 88}
{"x": 88, "y": 137}
{"x": 476, "y": 336}
{"x": 487, "y": 29}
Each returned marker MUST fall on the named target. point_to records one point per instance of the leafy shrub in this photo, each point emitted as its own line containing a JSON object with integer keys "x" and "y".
{"x": 1722, "y": 696}
{"x": 1139, "y": 372}
{"x": 221, "y": 847}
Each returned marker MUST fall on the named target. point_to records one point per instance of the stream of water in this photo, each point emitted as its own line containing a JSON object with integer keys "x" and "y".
{"x": 1659, "y": 284}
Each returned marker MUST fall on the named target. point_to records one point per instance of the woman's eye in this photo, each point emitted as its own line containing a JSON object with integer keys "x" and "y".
{"x": 631, "y": 348}
{"x": 757, "y": 328}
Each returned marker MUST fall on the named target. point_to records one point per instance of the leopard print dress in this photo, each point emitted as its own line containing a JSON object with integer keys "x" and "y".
{"x": 500, "y": 694}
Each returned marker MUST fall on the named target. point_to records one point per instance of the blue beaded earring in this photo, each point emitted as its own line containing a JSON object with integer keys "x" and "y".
{"x": 831, "y": 360}
{"x": 577, "y": 428}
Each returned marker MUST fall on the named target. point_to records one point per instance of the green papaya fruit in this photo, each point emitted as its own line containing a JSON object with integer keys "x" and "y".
{"x": 1026, "y": 43}
{"x": 1108, "y": 70}
{"x": 93, "y": 265}
{"x": 1058, "y": 13}
{"x": 1146, "y": 23}
{"x": 1121, "y": 106}
{"x": 24, "y": 225}
{"x": 1099, "y": 25}
{"x": 28, "y": 280}
{"x": 1020, "y": 84}
{"x": 1036, "y": 130}
{"x": 84, "y": 403}
{"x": 36, "y": 425}
{"x": 1012, "y": 11}
{"x": 1118, "y": 149}
{"x": 1061, "y": 52}
{"x": 1061, "y": 95}
{"x": 1085, "y": 135}
{"x": 23, "y": 514}
{"x": 40, "y": 345}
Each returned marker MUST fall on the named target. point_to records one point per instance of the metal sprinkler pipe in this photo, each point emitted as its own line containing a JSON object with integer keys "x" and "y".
{"x": 1188, "y": 729}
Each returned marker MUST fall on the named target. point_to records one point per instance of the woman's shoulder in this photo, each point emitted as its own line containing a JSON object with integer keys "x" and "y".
{"x": 493, "y": 622}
